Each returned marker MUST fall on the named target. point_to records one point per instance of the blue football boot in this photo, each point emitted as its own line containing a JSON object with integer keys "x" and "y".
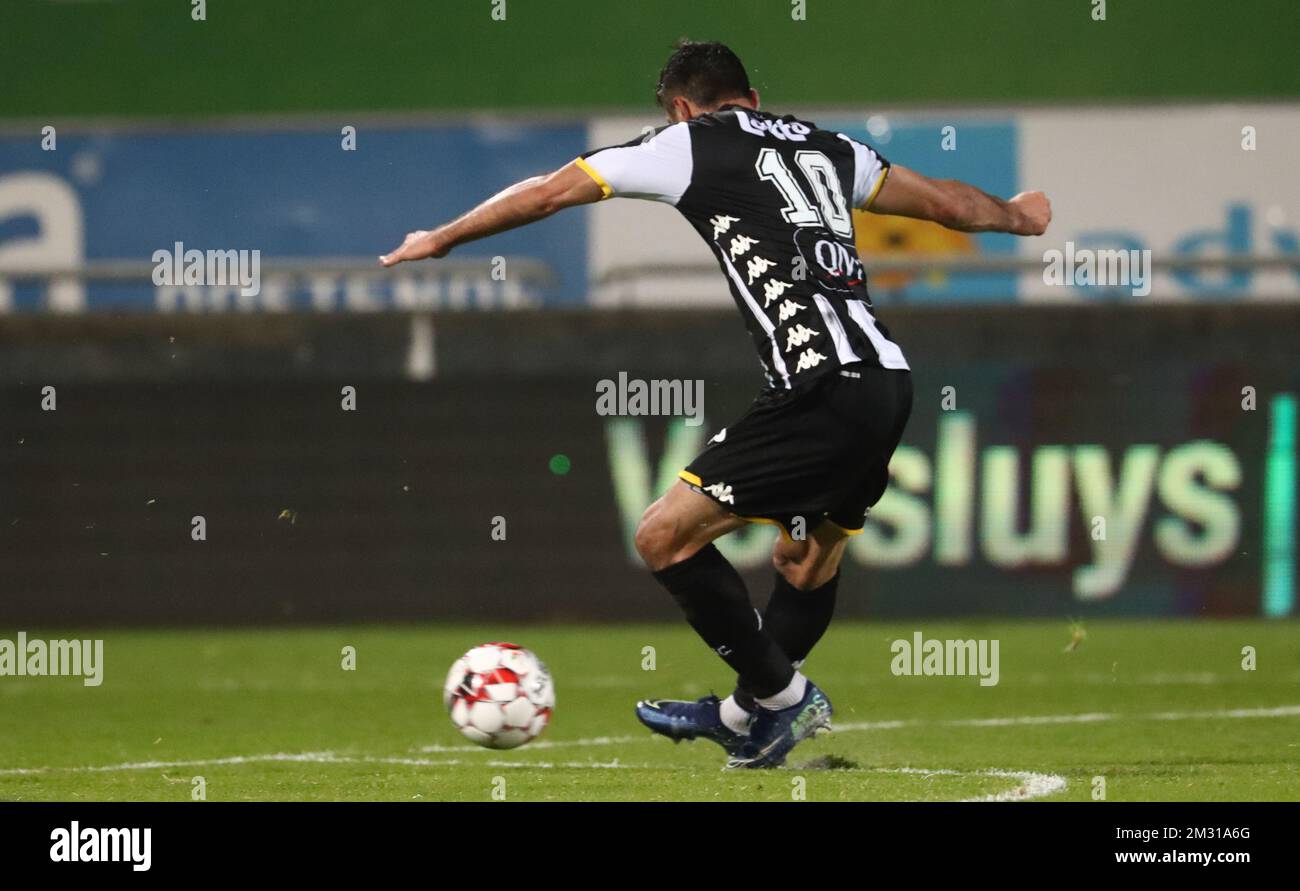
{"x": 775, "y": 732}
{"x": 680, "y": 719}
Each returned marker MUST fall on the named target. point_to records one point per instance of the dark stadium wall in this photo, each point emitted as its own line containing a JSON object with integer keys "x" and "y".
{"x": 1062, "y": 478}
{"x": 149, "y": 58}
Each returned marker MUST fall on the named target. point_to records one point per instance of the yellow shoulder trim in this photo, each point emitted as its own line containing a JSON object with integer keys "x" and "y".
{"x": 876, "y": 191}
{"x": 690, "y": 478}
{"x": 600, "y": 180}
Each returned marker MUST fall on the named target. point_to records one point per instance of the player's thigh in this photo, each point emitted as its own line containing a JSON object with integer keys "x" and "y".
{"x": 812, "y": 562}
{"x": 679, "y": 524}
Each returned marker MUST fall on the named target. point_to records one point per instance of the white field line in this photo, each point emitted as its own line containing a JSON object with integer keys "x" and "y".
{"x": 1029, "y": 784}
{"x": 1156, "y": 679}
{"x": 316, "y": 757}
{"x": 1035, "y": 679}
{"x": 542, "y": 744}
{"x": 312, "y": 758}
{"x": 1282, "y": 711}
{"x": 978, "y": 722}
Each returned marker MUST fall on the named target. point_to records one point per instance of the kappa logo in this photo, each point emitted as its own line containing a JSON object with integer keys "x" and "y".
{"x": 773, "y": 289}
{"x": 792, "y": 131}
{"x": 788, "y": 309}
{"x": 722, "y": 224}
{"x": 798, "y": 336}
{"x": 757, "y": 266}
{"x": 809, "y": 359}
{"x": 740, "y": 244}
{"x": 722, "y": 492}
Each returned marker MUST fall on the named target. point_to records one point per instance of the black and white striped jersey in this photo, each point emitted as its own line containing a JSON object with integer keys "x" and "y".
{"x": 773, "y": 197}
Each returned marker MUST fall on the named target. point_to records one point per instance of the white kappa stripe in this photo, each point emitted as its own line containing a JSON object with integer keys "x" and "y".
{"x": 777, "y": 362}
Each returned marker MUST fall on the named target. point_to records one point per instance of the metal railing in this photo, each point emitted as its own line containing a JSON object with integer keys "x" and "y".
{"x": 623, "y": 283}
{"x": 291, "y": 283}
{"x": 527, "y": 270}
{"x": 969, "y": 263}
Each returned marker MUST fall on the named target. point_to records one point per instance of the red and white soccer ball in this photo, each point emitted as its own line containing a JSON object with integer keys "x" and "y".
{"x": 499, "y": 695}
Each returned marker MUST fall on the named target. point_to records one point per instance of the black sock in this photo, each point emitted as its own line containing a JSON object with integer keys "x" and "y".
{"x": 796, "y": 620}
{"x": 712, "y": 595}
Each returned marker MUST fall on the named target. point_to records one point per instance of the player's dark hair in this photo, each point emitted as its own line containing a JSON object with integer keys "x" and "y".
{"x": 705, "y": 73}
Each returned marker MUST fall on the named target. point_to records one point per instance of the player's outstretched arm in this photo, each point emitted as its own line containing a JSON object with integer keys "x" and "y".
{"x": 524, "y": 202}
{"x": 957, "y": 205}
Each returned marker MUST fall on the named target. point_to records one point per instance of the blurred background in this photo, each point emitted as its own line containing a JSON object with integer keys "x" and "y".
{"x": 318, "y": 133}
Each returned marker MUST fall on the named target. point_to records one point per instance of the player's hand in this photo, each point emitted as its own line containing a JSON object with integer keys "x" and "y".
{"x": 418, "y": 245}
{"x": 1034, "y": 212}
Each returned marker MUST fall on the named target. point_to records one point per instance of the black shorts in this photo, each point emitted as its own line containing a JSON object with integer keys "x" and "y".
{"x": 820, "y": 452}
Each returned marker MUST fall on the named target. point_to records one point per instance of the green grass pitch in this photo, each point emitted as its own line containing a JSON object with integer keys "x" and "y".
{"x": 1162, "y": 710}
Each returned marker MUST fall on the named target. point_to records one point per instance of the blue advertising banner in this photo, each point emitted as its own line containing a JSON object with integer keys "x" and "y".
{"x": 305, "y": 209}
{"x": 347, "y": 194}
{"x": 984, "y": 153}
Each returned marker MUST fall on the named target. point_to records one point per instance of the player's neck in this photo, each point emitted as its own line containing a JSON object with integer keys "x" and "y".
{"x": 742, "y": 101}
